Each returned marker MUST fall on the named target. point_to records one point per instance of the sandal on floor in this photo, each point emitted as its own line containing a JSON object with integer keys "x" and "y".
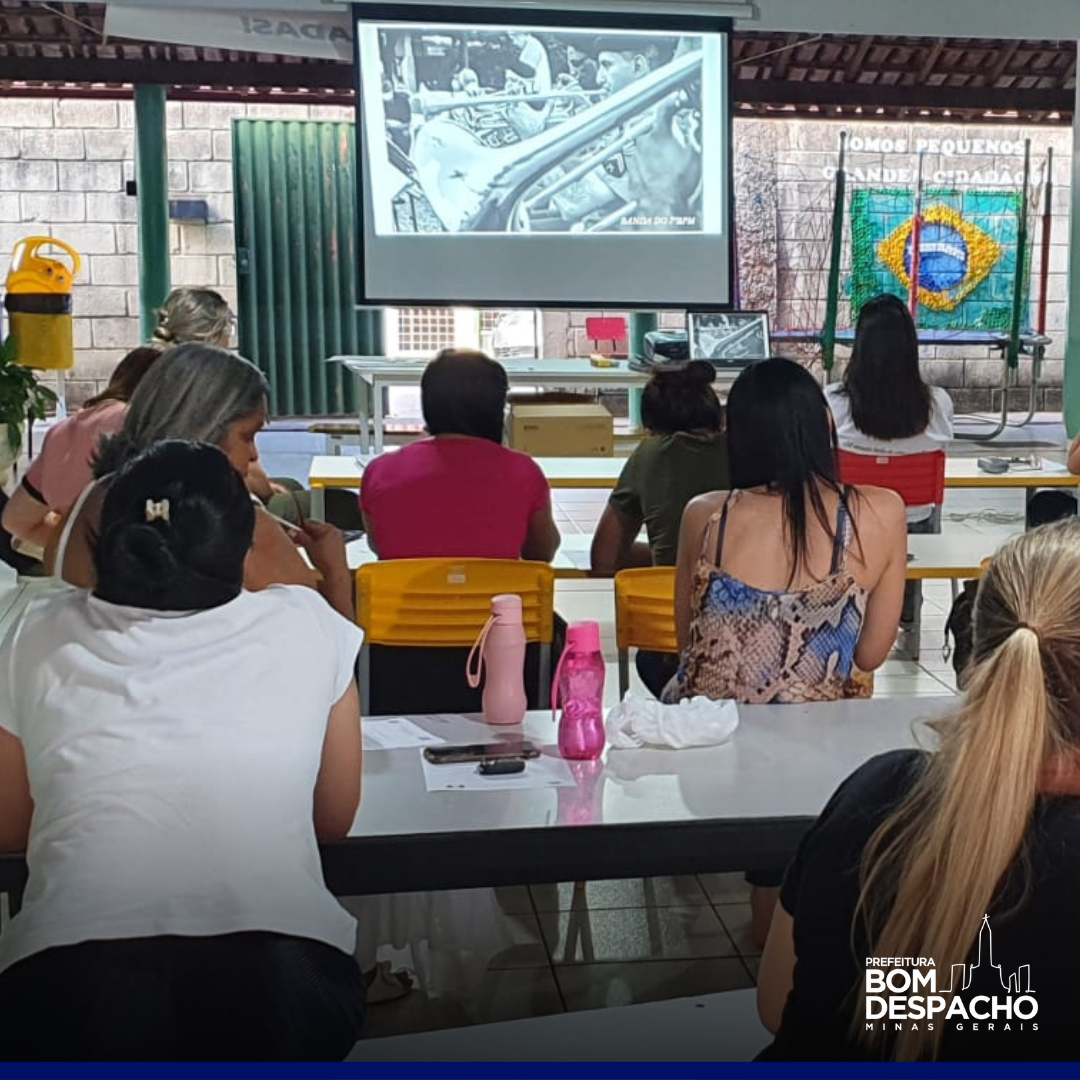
{"x": 385, "y": 985}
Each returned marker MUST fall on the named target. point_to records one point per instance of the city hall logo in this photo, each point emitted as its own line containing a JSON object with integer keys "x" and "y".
{"x": 902, "y": 993}
{"x": 955, "y": 257}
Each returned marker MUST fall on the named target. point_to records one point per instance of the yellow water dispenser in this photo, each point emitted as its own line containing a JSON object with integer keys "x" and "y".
{"x": 38, "y": 303}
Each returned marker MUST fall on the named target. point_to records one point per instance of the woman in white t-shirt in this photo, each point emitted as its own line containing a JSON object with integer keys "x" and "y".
{"x": 883, "y": 407}
{"x": 168, "y": 776}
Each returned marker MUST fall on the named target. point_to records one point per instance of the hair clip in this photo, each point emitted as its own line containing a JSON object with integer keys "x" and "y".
{"x": 157, "y": 511}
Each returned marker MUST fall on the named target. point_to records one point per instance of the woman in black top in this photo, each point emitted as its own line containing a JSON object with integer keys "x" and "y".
{"x": 967, "y": 856}
{"x": 684, "y": 455}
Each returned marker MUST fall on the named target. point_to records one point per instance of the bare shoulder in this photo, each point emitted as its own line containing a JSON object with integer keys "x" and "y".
{"x": 877, "y": 505}
{"x": 700, "y": 508}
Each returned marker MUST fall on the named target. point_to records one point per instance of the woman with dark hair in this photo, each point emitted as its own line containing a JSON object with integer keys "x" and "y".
{"x": 170, "y": 798}
{"x": 788, "y": 584}
{"x": 683, "y": 455}
{"x": 205, "y": 394}
{"x": 786, "y": 549}
{"x": 460, "y": 492}
{"x": 882, "y": 406}
{"x": 61, "y": 470}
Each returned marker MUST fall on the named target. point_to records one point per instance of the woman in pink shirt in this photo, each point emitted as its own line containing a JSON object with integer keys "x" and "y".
{"x": 61, "y": 470}
{"x": 459, "y": 493}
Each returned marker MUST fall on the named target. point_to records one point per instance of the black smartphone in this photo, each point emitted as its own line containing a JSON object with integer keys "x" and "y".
{"x": 501, "y": 767}
{"x": 455, "y": 755}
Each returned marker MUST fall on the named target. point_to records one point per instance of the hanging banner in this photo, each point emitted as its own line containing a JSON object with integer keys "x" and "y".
{"x": 324, "y": 35}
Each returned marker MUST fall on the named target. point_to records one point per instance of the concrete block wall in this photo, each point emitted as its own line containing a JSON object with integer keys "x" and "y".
{"x": 63, "y": 168}
{"x": 884, "y": 156}
{"x": 64, "y": 164}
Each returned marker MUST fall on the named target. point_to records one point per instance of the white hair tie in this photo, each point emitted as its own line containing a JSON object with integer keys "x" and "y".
{"x": 157, "y": 511}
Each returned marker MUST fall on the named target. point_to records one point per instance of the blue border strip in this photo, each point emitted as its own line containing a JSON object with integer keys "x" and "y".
{"x": 530, "y": 1070}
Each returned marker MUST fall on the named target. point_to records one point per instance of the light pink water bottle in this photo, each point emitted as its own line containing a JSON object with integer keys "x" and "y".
{"x": 579, "y": 685}
{"x": 500, "y": 651}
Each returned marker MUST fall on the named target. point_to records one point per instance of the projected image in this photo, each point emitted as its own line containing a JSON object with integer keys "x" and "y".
{"x": 729, "y": 336}
{"x": 486, "y": 130}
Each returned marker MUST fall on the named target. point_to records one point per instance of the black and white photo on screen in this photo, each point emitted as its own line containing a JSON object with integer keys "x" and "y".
{"x": 729, "y": 336}
{"x": 539, "y": 130}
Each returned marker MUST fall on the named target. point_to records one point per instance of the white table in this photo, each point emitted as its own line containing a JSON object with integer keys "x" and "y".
{"x": 951, "y": 555}
{"x": 640, "y": 813}
{"x": 643, "y": 813}
{"x": 564, "y": 563}
{"x": 374, "y": 374}
{"x": 347, "y": 471}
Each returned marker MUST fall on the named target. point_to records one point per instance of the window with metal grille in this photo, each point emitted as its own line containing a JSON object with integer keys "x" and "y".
{"x": 423, "y": 331}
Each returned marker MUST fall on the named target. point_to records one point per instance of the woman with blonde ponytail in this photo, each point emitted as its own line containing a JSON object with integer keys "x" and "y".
{"x": 954, "y": 855}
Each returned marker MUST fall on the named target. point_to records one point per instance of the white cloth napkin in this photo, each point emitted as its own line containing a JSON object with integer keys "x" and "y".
{"x": 696, "y": 721}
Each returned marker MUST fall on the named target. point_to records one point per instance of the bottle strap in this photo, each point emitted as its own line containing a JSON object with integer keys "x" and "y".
{"x": 478, "y": 651}
{"x": 555, "y": 684}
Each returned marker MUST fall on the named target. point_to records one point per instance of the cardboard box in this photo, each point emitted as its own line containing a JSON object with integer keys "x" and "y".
{"x": 561, "y": 430}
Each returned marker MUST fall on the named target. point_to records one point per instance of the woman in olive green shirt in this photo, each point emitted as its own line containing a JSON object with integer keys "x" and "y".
{"x": 683, "y": 456}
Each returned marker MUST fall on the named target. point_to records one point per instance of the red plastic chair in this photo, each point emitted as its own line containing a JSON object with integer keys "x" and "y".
{"x": 919, "y": 479}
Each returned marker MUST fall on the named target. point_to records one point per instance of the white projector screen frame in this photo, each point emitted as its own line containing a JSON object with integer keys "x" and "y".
{"x": 415, "y": 141}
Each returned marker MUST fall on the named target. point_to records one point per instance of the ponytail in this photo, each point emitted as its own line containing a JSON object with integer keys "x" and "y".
{"x": 933, "y": 869}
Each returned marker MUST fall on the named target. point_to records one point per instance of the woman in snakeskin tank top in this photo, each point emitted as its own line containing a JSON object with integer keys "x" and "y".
{"x": 789, "y": 586}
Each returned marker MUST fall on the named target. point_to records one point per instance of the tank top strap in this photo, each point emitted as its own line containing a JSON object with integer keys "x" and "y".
{"x": 719, "y": 521}
{"x": 65, "y": 532}
{"x": 842, "y": 540}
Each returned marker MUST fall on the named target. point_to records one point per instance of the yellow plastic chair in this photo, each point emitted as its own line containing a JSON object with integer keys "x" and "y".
{"x": 441, "y": 603}
{"x": 644, "y": 614}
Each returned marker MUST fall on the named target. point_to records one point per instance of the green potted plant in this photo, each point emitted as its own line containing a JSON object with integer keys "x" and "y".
{"x": 21, "y": 396}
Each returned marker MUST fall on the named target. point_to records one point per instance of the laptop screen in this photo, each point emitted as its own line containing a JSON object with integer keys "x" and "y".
{"x": 729, "y": 338}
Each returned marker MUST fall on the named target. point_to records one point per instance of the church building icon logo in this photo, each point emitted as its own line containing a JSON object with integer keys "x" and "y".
{"x": 1019, "y": 982}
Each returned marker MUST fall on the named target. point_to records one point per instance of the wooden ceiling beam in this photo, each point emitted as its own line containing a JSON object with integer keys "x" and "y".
{"x": 856, "y": 62}
{"x": 1005, "y": 58}
{"x": 932, "y": 58}
{"x": 315, "y": 74}
{"x": 899, "y": 96}
{"x": 783, "y": 58}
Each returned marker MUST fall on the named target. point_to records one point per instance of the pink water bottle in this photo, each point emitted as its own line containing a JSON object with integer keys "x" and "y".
{"x": 579, "y": 685}
{"x": 500, "y": 651}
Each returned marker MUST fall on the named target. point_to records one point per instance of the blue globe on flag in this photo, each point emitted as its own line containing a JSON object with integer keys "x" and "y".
{"x": 943, "y": 257}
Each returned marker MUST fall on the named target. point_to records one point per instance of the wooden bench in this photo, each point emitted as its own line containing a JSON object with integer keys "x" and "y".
{"x": 716, "y": 1027}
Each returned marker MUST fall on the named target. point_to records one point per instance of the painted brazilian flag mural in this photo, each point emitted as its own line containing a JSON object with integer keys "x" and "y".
{"x": 967, "y": 258}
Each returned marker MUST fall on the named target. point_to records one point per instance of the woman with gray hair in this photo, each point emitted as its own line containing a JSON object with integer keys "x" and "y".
{"x": 193, "y": 315}
{"x": 204, "y": 394}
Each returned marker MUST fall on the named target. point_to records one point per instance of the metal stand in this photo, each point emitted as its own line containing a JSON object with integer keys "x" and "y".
{"x": 1035, "y": 346}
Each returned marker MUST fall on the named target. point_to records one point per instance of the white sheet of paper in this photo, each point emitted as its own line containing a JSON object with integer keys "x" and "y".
{"x": 396, "y": 733}
{"x": 541, "y": 772}
{"x": 1046, "y": 466}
